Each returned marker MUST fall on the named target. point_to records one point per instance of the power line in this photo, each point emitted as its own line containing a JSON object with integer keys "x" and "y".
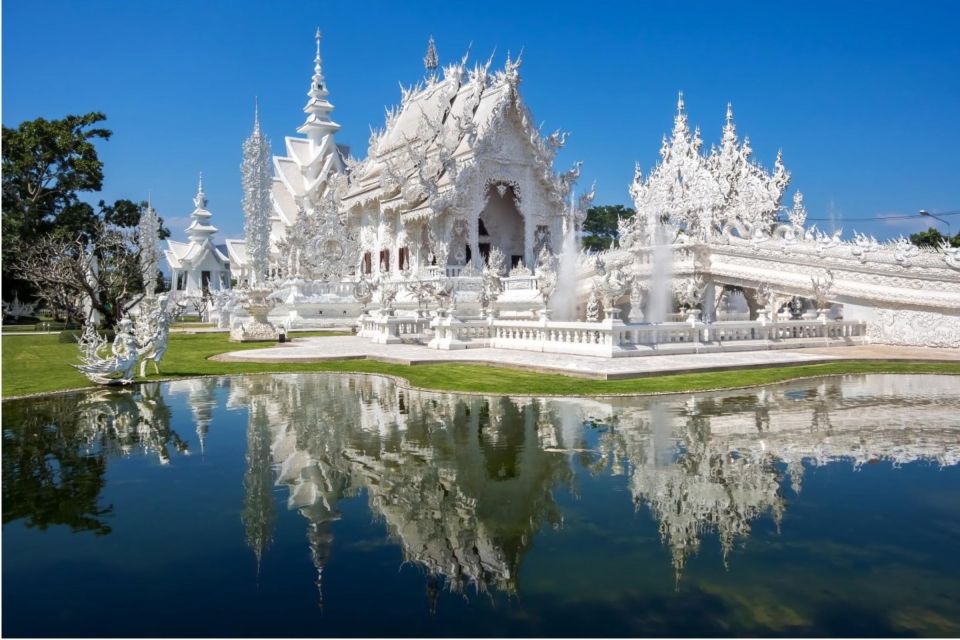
{"x": 915, "y": 216}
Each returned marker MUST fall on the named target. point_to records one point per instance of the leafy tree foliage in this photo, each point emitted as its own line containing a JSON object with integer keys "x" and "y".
{"x": 47, "y": 166}
{"x": 932, "y": 238}
{"x": 600, "y": 225}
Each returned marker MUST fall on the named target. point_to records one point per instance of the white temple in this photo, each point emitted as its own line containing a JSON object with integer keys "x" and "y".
{"x": 459, "y": 174}
{"x": 198, "y": 267}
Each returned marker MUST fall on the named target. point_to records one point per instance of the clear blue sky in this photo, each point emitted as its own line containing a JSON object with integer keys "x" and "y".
{"x": 863, "y": 97}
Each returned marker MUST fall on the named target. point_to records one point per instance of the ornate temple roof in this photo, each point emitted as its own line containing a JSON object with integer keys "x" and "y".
{"x": 302, "y": 176}
{"x": 440, "y": 127}
{"x": 200, "y": 233}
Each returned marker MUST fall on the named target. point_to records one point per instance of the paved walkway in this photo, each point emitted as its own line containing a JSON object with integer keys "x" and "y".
{"x": 350, "y": 347}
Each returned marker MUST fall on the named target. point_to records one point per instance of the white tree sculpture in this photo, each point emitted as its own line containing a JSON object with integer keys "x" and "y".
{"x": 699, "y": 194}
{"x": 256, "y": 200}
{"x": 148, "y": 237}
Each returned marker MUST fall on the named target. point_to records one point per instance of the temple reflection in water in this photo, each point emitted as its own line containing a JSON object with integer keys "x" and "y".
{"x": 463, "y": 484}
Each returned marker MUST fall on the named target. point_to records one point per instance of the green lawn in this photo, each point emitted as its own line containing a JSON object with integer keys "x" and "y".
{"x": 37, "y": 364}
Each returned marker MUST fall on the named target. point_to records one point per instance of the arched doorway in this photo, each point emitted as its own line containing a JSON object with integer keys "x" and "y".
{"x": 500, "y": 224}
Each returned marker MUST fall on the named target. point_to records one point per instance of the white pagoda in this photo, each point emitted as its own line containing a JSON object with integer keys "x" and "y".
{"x": 198, "y": 267}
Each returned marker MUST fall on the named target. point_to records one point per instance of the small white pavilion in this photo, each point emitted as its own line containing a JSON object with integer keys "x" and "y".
{"x": 198, "y": 267}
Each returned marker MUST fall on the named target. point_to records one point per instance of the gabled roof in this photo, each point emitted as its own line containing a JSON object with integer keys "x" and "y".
{"x": 180, "y": 255}
{"x": 237, "y": 252}
{"x": 454, "y": 116}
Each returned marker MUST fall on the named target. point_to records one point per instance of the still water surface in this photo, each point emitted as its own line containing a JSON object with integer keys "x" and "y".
{"x": 312, "y": 505}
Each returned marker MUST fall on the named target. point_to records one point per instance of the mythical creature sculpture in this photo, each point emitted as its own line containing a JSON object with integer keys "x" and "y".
{"x": 636, "y": 300}
{"x": 153, "y": 334}
{"x": 593, "y": 305}
{"x": 546, "y": 275}
{"x": 491, "y": 284}
{"x": 612, "y": 285}
{"x": 950, "y": 254}
{"x": 690, "y": 292}
{"x": 363, "y": 292}
{"x": 122, "y": 361}
{"x": 904, "y": 250}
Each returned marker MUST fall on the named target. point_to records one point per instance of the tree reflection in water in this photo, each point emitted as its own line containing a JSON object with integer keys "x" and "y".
{"x": 464, "y": 483}
{"x": 55, "y": 452}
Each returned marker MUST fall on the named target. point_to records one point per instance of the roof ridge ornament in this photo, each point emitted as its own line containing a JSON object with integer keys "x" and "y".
{"x": 431, "y": 61}
{"x": 200, "y": 200}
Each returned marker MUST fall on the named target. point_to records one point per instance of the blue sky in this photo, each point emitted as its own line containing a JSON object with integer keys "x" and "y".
{"x": 863, "y": 97}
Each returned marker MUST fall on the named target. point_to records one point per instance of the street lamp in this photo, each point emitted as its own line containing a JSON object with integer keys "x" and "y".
{"x": 925, "y": 213}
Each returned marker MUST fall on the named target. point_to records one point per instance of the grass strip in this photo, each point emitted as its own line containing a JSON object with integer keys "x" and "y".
{"x": 41, "y": 364}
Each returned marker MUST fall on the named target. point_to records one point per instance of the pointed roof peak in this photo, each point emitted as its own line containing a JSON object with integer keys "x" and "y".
{"x": 431, "y": 61}
{"x": 200, "y": 200}
{"x": 680, "y": 102}
{"x": 729, "y": 113}
{"x": 256, "y": 119}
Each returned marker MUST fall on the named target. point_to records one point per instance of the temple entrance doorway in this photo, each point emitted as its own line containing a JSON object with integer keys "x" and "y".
{"x": 500, "y": 224}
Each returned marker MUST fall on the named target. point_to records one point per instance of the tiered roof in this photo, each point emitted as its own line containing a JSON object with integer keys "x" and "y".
{"x": 180, "y": 255}
{"x": 301, "y": 177}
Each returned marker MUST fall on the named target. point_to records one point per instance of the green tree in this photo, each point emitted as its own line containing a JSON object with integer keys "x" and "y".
{"x": 600, "y": 225}
{"x": 932, "y": 238}
{"x": 47, "y": 166}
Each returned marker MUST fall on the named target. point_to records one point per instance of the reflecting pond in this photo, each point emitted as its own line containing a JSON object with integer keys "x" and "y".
{"x": 332, "y": 505}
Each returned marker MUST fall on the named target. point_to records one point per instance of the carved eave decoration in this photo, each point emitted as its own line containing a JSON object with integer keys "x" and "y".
{"x": 427, "y": 175}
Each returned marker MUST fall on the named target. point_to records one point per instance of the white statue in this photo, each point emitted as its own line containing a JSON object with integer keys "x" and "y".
{"x": 123, "y": 359}
{"x": 153, "y": 335}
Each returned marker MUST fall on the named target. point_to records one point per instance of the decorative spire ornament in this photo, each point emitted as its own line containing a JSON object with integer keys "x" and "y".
{"x": 255, "y": 171}
{"x": 318, "y": 123}
{"x": 148, "y": 237}
{"x": 200, "y": 200}
{"x": 430, "y": 60}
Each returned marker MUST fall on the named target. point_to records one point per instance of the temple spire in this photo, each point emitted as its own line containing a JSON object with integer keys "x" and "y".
{"x": 200, "y": 228}
{"x": 430, "y": 60}
{"x": 256, "y": 115}
{"x": 318, "y": 123}
{"x": 680, "y": 128}
{"x": 200, "y": 200}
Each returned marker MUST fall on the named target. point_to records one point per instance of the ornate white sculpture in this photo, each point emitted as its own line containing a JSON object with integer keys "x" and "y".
{"x": 119, "y": 366}
{"x": 821, "y": 292}
{"x": 593, "y": 305}
{"x": 612, "y": 285}
{"x": 153, "y": 333}
{"x": 257, "y": 177}
{"x": 148, "y": 237}
{"x": 546, "y": 276}
{"x": 636, "y": 301}
{"x": 17, "y": 309}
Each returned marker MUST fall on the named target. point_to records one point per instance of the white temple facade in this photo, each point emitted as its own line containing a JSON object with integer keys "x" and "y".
{"x": 458, "y": 169}
{"x": 459, "y": 173}
{"x": 199, "y": 266}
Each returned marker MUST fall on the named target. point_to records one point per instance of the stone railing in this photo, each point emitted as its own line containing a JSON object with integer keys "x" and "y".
{"x": 389, "y": 329}
{"x": 616, "y": 339}
{"x": 610, "y": 338}
{"x": 450, "y": 332}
